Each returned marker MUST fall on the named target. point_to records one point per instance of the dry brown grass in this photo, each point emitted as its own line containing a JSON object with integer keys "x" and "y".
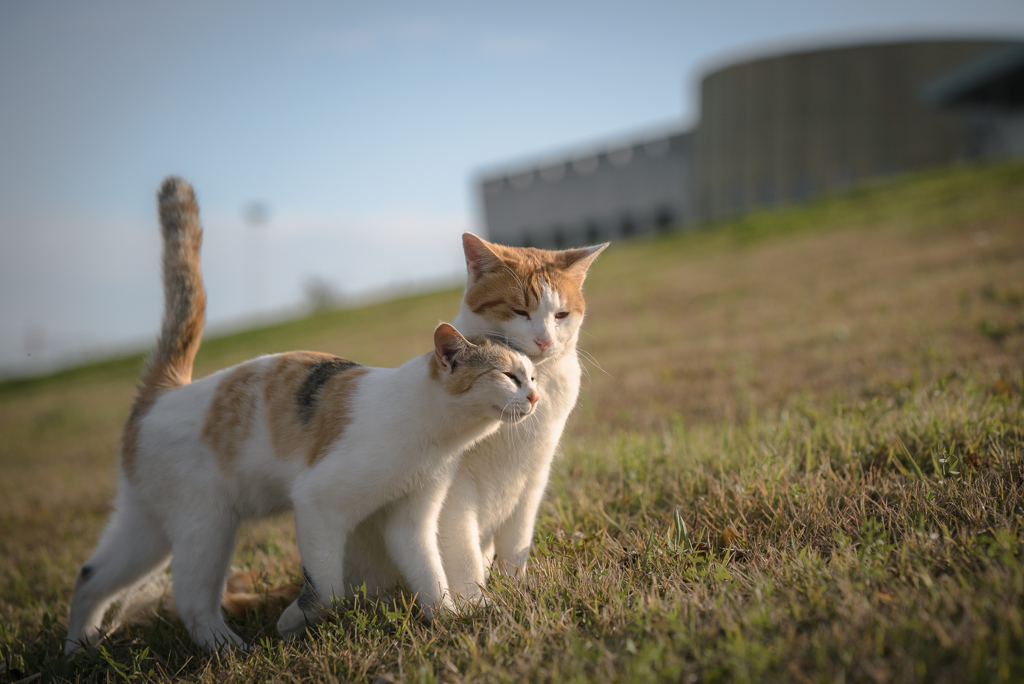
{"x": 718, "y": 334}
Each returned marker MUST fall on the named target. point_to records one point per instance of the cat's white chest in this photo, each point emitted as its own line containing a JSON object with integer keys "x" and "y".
{"x": 518, "y": 457}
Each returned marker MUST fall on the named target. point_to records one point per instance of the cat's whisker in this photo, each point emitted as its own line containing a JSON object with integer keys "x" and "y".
{"x": 514, "y": 431}
{"x": 506, "y": 408}
{"x": 512, "y": 422}
{"x": 586, "y": 374}
{"x": 590, "y": 357}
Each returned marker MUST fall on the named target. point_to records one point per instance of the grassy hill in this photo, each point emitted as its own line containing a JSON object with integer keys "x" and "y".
{"x": 797, "y": 457}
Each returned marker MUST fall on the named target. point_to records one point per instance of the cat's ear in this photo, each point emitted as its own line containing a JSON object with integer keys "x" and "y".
{"x": 448, "y": 344}
{"x": 480, "y": 258}
{"x": 577, "y": 261}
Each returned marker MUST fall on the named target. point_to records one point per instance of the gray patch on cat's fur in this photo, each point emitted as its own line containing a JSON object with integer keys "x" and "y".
{"x": 499, "y": 338}
{"x": 319, "y": 375}
{"x": 307, "y": 596}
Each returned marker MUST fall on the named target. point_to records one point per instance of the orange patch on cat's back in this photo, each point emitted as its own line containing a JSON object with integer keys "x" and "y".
{"x": 230, "y": 416}
{"x": 332, "y": 415}
{"x": 306, "y": 400}
{"x": 143, "y": 402}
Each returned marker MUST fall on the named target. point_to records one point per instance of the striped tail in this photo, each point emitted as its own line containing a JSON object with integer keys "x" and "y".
{"x": 170, "y": 364}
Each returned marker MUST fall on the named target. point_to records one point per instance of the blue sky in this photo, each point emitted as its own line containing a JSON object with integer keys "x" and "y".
{"x": 361, "y": 126}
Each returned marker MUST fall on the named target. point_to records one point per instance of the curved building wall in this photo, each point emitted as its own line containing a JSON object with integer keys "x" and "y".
{"x": 789, "y": 127}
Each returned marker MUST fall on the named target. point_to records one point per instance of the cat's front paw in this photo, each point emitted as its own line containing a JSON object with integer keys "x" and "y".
{"x": 292, "y": 623}
{"x": 434, "y": 609}
{"x": 469, "y": 602}
{"x": 480, "y": 600}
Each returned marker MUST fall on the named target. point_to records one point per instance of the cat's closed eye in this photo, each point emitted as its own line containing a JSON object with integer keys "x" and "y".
{"x": 520, "y": 312}
{"x": 513, "y": 378}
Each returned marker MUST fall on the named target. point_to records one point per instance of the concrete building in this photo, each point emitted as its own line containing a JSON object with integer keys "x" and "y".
{"x": 989, "y": 91}
{"x": 774, "y": 130}
{"x": 627, "y": 188}
{"x": 789, "y": 127}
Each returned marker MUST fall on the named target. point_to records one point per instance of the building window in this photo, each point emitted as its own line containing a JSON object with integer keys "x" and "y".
{"x": 521, "y": 182}
{"x": 657, "y": 148}
{"x": 621, "y": 157}
{"x": 586, "y": 166}
{"x": 553, "y": 174}
{"x": 664, "y": 220}
{"x": 804, "y": 187}
{"x": 736, "y": 196}
{"x": 627, "y": 228}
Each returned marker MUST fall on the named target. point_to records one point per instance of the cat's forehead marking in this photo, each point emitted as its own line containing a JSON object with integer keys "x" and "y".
{"x": 518, "y": 282}
{"x": 230, "y": 415}
{"x": 566, "y": 291}
{"x": 551, "y": 297}
{"x": 484, "y": 357}
{"x": 307, "y": 401}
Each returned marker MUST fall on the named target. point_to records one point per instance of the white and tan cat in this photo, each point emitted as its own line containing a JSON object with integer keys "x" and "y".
{"x": 334, "y": 440}
{"x": 533, "y": 300}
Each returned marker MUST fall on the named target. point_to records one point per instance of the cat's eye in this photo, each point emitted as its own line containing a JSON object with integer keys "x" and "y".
{"x": 520, "y": 312}
{"x": 561, "y": 314}
{"x": 513, "y": 378}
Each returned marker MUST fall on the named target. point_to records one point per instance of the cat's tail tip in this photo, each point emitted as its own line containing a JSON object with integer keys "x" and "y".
{"x": 176, "y": 200}
{"x": 176, "y": 189}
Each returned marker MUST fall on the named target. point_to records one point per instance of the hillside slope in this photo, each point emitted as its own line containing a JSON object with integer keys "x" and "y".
{"x": 798, "y": 453}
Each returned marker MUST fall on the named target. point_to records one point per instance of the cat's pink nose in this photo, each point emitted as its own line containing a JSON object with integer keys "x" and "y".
{"x": 542, "y": 343}
{"x": 533, "y": 398}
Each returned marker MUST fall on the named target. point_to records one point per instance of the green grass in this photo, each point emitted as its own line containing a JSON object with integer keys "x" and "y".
{"x": 802, "y": 461}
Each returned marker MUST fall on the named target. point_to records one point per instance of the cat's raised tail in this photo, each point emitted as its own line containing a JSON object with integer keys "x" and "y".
{"x": 181, "y": 331}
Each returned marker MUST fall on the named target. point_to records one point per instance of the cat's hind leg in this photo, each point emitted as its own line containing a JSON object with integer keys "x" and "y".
{"x": 132, "y": 546}
{"x": 203, "y": 546}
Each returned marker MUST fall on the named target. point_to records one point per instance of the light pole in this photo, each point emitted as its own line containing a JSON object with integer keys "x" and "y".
{"x": 256, "y": 215}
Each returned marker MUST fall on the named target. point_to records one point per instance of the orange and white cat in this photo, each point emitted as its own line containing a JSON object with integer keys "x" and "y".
{"x": 331, "y": 439}
{"x": 533, "y": 300}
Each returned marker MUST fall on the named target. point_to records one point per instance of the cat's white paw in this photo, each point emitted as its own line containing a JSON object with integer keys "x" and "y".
{"x": 226, "y": 641}
{"x": 217, "y": 637}
{"x": 435, "y": 609}
{"x": 467, "y": 603}
{"x": 73, "y": 646}
{"x": 292, "y": 623}
{"x": 480, "y": 600}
